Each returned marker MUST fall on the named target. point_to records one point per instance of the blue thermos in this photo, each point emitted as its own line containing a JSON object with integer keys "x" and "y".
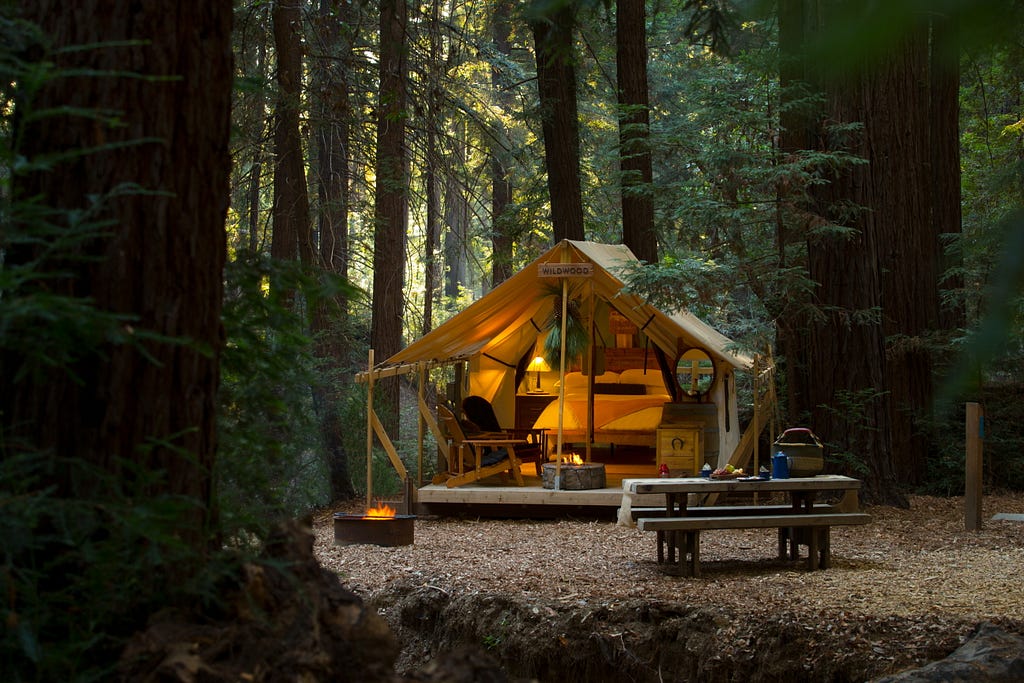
{"x": 780, "y": 466}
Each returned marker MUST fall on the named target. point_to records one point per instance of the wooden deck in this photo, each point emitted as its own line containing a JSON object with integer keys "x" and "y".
{"x": 500, "y": 497}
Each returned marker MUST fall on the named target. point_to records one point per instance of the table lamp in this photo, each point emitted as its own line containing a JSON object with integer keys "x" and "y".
{"x": 538, "y": 365}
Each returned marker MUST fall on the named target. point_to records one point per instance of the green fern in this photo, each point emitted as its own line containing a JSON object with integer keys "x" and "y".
{"x": 576, "y": 339}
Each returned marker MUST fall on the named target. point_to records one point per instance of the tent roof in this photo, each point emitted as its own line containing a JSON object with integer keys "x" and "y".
{"x": 503, "y": 312}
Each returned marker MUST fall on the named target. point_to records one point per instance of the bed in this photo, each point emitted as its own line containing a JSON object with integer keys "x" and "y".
{"x": 627, "y": 408}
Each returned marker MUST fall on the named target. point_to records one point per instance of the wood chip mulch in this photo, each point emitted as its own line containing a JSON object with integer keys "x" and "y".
{"x": 915, "y": 564}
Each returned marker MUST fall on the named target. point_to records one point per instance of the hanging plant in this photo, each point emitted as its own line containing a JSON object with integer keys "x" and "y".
{"x": 575, "y": 332}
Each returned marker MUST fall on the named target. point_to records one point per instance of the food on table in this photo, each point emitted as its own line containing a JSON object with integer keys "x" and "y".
{"x": 727, "y": 472}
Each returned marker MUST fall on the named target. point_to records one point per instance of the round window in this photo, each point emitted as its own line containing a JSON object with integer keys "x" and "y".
{"x": 695, "y": 372}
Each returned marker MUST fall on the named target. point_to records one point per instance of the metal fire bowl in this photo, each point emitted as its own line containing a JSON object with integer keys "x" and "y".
{"x": 384, "y": 531}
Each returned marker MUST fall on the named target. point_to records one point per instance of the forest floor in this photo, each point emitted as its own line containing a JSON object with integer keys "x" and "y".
{"x": 903, "y": 590}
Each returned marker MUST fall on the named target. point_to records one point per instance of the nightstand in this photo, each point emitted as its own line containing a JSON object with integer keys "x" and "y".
{"x": 529, "y": 407}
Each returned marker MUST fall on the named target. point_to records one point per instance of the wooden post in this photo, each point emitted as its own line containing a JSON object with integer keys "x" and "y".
{"x": 771, "y": 398}
{"x": 421, "y": 425}
{"x": 757, "y": 421}
{"x": 460, "y": 381}
{"x": 975, "y": 433}
{"x": 757, "y": 411}
{"x": 369, "y": 433}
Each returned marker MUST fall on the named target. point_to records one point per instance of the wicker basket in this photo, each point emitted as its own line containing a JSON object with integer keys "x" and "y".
{"x": 803, "y": 450}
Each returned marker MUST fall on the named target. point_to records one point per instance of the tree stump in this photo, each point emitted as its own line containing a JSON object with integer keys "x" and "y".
{"x": 574, "y": 477}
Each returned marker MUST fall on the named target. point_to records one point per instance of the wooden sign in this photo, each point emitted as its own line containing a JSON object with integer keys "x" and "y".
{"x": 565, "y": 270}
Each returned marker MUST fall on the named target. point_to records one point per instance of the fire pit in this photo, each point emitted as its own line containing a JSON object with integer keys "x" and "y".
{"x": 576, "y": 475}
{"x": 379, "y": 526}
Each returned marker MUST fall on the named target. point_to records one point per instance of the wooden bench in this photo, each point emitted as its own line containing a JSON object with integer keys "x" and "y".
{"x": 672, "y": 530}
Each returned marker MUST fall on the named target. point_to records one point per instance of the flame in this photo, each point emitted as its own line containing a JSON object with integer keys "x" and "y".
{"x": 381, "y": 510}
{"x": 572, "y": 459}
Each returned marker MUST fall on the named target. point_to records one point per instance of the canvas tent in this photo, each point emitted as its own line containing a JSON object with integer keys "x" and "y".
{"x": 495, "y": 334}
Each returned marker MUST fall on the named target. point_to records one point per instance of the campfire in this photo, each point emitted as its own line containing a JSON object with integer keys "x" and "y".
{"x": 571, "y": 459}
{"x": 575, "y": 475}
{"x": 381, "y": 510}
{"x": 378, "y": 526}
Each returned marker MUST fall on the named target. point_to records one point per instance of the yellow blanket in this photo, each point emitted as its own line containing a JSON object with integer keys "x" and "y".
{"x": 607, "y": 409}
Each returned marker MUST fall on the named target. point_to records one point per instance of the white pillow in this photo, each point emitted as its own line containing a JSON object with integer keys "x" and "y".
{"x": 575, "y": 381}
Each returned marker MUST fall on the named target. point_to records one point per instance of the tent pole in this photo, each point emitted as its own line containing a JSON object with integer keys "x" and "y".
{"x": 590, "y": 375}
{"x": 561, "y": 385}
{"x": 369, "y": 433}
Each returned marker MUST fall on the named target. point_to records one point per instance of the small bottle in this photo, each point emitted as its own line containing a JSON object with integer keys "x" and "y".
{"x": 663, "y": 471}
{"x": 705, "y": 471}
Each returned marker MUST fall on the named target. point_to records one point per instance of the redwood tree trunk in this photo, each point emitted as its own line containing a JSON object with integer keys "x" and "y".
{"x": 292, "y": 239}
{"x": 634, "y": 131}
{"x": 501, "y": 185}
{"x": 390, "y": 204}
{"x": 456, "y": 217}
{"x": 902, "y": 178}
{"x": 432, "y": 236}
{"x": 556, "y": 85}
{"x": 871, "y": 254}
{"x": 329, "y": 315}
{"x": 145, "y": 393}
{"x": 258, "y": 117}
{"x": 333, "y": 134}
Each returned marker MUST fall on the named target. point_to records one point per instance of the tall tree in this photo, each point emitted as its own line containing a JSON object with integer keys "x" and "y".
{"x": 432, "y": 237}
{"x": 333, "y": 130}
{"x": 249, "y": 112}
{"x": 556, "y": 86}
{"x": 874, "y": 248}
{"x": 456, "y": 217}
{"x": 634, "y": 130}
{"x": 330, "y": 312}
{"x": 292, "y": 239}
{"x": 843, "y": 352}
{"x": 501, "y": 184}
{"x": 390, "y": 202}
{"x": 905, "y": 218}
{"x": 136, "y": 399}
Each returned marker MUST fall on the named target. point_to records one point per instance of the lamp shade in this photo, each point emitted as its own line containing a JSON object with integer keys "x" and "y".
{"x": 538, "y": 364}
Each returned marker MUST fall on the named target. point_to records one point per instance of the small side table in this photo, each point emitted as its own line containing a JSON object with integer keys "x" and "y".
{"x": 681, "y": 447}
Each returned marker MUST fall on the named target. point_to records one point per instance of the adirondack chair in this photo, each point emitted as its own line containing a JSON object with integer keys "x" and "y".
{"x": 480, "y": 412}
{"x": 472, "y": 459}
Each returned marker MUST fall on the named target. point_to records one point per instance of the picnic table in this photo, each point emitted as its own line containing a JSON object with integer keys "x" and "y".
{"x": 801, "y": 521}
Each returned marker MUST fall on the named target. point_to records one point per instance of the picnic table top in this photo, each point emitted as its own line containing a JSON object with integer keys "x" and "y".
{"x": 822, "y": 482}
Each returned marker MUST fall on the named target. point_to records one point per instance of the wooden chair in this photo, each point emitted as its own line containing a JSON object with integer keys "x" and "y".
{"x": 472, "y": 459}
{"x": 480, "y": 412}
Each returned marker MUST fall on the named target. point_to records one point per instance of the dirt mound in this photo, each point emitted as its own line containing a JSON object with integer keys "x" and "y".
{"x": 285, "y": 618}
{"x": 641, "y": 640}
